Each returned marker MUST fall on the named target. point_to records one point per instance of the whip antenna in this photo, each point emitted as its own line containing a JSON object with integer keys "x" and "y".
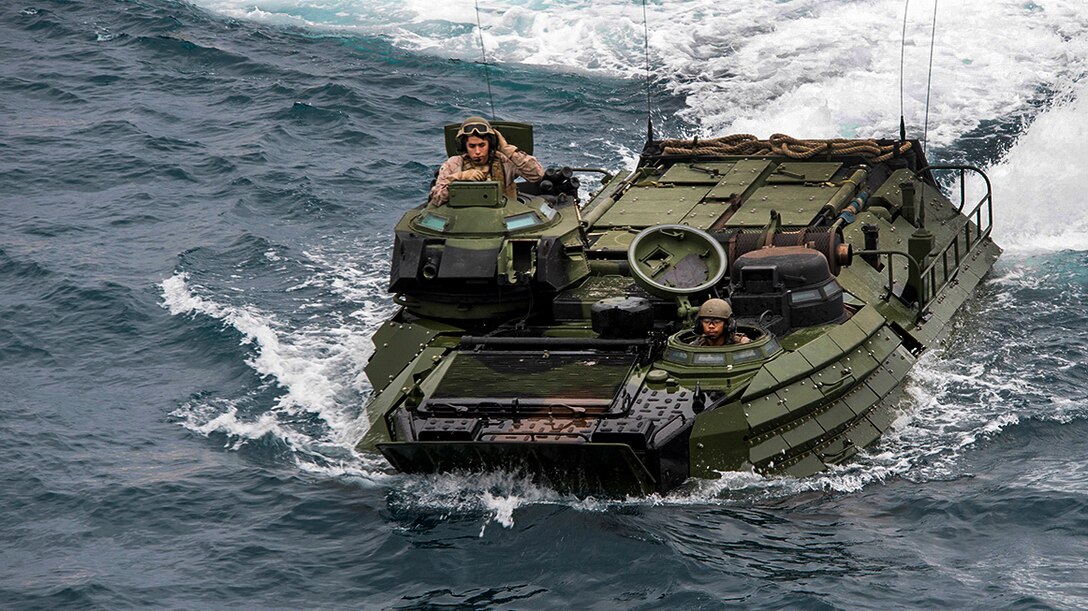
{"x": 646, "y": 46}
{"x": 483, "y": 52}
{"x": 902, "y": 64}
{"x": 929, "y": 79}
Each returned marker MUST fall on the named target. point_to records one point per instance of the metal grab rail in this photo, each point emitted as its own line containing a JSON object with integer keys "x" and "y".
{"x": 963, "y": 183}
{"x": 950, "y": 258}
{"x": 931, "y": 290}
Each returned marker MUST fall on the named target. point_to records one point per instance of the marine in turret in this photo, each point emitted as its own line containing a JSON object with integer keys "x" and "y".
{"x": 485, "y": 155}
{"x": 716, "y": 325}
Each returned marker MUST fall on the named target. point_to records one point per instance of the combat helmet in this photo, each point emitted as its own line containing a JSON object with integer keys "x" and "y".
{"x": 475, "y": 126}
{"x": 715, "y": 308}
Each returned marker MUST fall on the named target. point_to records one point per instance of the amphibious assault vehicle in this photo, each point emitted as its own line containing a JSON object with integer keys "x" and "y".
{"x": 554, "y": 336}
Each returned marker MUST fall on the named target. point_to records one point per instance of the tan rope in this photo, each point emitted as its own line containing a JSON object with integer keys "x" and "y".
{"x": 781, "y": 144}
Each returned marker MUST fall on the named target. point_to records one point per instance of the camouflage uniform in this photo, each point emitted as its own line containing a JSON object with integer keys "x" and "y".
{"x": 702, "y": 340}
{"x": 507, "y": 163}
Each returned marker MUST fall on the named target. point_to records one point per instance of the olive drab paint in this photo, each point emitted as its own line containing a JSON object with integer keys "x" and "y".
{"x": 552, "y": 333}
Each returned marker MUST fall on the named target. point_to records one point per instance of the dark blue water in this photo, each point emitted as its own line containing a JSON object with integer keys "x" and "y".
{"x": 196, "y": 221}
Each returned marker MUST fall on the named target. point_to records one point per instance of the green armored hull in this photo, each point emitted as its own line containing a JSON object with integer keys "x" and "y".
{"x": 555, "y": 337}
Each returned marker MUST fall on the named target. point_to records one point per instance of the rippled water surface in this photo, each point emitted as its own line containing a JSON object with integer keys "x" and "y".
{"x": 198, "y": 201}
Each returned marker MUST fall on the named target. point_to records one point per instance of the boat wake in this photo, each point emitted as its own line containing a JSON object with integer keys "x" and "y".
{"x": 1034, "y": 214}
{"x": 310, "y": 364}
{"x": 995, "y": 62}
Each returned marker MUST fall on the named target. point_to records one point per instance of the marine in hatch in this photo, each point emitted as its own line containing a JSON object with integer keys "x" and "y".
{"x": 716, "y": 326}
{"x": 485, "y": 155}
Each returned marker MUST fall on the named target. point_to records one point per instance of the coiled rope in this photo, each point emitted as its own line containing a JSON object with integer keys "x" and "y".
{"x": 781, "y": 144}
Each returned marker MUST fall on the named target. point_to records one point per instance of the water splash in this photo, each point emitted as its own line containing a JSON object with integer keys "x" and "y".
{"x": 810, "y": 68}
{"x": 1039, "y": 183}
{"x": 316, "y": 372}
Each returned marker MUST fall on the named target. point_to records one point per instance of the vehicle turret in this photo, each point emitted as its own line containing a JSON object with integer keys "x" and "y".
{"x": 482, "y": 255}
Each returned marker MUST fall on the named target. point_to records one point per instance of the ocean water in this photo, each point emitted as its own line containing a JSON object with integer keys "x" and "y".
{"x": 197, "y": 203}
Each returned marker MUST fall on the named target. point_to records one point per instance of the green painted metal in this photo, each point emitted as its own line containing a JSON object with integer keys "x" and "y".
{"x": 647, "y": 206}
{"x": 501, "y": 357}
{"x": 790, "y": 172}
{"x": 696, "y": 173}
{"x": 745, "y": 176}
{"x": 798, "y": 204}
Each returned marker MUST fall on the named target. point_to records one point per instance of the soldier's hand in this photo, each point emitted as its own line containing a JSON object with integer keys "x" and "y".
{"x": 473, "y": 174}
{"x": 505, "y": 147}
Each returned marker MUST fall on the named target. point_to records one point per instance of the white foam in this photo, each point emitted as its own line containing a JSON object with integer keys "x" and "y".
{"x": 296, "y": 367}
{"x": 494, "y": 495}
{"x": 1039, "y": 184}
{"x": 316, "y": 368}
{"x": 810, "y": 68}
{"x": 803, "y": 67}
{"x": 835, "y": 70}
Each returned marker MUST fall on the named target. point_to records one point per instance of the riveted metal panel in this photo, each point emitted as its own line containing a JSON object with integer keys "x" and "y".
{"x": 800, "y": 397}
{"x": 881, "y": 344}
{"x": 949, "y": 301}
{"x": 384, "y": 402}
{"x": 860, "y": 399}
{"x": 833, "y": 380}
{"x": 740, "y": 179}
{"x": 889, "y": 195}
{"x": 882, "y": 381}
{"x": 649, "y": 206}
{"x": 787, "y": 367}
{"x": 838, "y": 415}
{"x": 863, "y": 433}
{"x": 900, "y": 362}
{"x": 970, "y": 272}
{"x": 763, "y": 410}
{"x": 807, "y": 432}
{"x": 804, "y": 467}
{"x": 882, "y": 416}
{"x": 797, "y": 204}
{"x": 868, "y": 320}
{"x": 761, "y": 384}
{"x": 697, "y": 173}
{"x": 837, "y": 450}
{"x": 847, "y": 335}
{"x": 768, "y": 449}
{"x": 705, "y": 214}
{"x": 395, "y": 344}
{"x": 860, "y": 362}
{"x": 821, "y": 352}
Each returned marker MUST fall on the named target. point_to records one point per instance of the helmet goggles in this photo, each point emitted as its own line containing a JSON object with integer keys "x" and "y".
{"x": 475, "y": 129}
